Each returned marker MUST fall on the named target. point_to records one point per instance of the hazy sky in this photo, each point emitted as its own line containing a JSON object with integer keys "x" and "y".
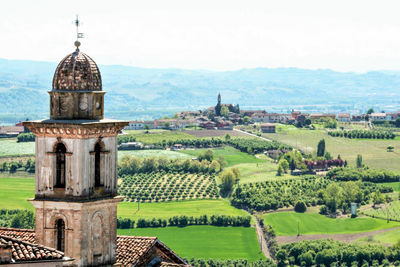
{"x": 347, "y": 35}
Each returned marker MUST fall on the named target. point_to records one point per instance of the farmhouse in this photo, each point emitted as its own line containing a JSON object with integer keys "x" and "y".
{"x": 318, "y": 116}
{"x": 11, "y": 131}
{"x": 268, "y": 128}
{"x": 358, "y": 117}
{"x": 76, "y": 189}
{"x": 139, "y": 125}
{"x": 380, "y": 117}
{"x": 343, "y": 117}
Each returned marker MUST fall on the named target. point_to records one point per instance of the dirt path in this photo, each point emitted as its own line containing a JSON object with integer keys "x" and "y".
{"x": 339, "y": 237}
{"x": 261, "y": 240}
{"x": 263, "y": 138}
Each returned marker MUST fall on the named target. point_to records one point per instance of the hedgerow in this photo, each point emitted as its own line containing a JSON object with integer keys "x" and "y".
{"x": 327, "y": 252}
{"x": 364, "y": 134}
{"x": 367, "y": 175}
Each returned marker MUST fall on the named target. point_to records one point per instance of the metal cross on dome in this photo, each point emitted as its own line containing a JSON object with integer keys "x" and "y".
{"x": 77, "y": 24}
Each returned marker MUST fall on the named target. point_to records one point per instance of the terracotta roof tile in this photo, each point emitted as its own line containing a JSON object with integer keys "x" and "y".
{"x": 131, "y": 248}
{"x": 23, "y": 234}
{"x": 25, "y": 251}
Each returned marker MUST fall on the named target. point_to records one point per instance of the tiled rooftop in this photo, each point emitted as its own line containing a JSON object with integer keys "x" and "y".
{"x": 26, "y": 251}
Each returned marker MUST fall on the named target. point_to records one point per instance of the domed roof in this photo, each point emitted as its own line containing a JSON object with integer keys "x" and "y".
{"x": 77, "y": 71}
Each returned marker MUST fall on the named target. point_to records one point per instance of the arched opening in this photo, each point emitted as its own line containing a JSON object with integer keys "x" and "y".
{"x": 60, "y": 234}
{"x": 60, "y": 165}
{"x": 97, "y": 165}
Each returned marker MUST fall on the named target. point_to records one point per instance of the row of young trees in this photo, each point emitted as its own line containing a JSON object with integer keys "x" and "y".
{"x": 363, "y": 174}
{"x": 13, "y": 166}
{"x": 256, "y": 145}
{"x": 327, "y": 252}
{"x": 17, "y": 218}
{"x": 365, "y": 134}
{"x": 130, "y": 165}
{"x": 183, "y": 220}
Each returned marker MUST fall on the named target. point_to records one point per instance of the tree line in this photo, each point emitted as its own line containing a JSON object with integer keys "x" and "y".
{"x": 26, "y": 137}
{"x": 130, "y": 165}
{"x": 17, "y": 218}
{"x": 363, "y": 174}
{"x": 327, "y": 252}
{"x": 183, "y": 220}
{"x": 13, "y": 166}
{"x": 364, "y": 134}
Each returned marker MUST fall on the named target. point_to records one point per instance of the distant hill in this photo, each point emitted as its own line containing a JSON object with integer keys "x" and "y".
{"x": 148, "y": 93}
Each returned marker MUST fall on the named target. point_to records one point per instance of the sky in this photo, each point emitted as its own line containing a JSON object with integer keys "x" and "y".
{"x": 350, "y": 35}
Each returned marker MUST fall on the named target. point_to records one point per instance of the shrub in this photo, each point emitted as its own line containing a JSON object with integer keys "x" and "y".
{"x": 300, "y": 207}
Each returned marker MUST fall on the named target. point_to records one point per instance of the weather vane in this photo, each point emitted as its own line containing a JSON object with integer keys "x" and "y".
{"x": 78, "y": 34}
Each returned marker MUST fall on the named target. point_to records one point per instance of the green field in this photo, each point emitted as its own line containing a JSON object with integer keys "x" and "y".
{"x": 374, "y": 151}
{"x": 175, "y": 208}
{"x": 207, "y": 242}
{"x": 14, "y": 193}
{"x": 9, "y": 147}
{"x": 230, "y": 154}
{"x": 286, "y": 223}
{"x": 153, "y": 153}
{"x": 390, "y": 237}
{"x": 395, "y": 186}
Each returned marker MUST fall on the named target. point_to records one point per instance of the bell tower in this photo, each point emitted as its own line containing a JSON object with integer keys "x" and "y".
{"x": 76, "y": 166}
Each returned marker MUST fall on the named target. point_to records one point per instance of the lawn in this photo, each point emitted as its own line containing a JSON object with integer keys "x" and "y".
{"x": 230, "y": 154}
{"x": 175, "y": 208}
{"x": 286, "y": 223}
{"x": 207, "y": 242}
{"x": 373, "y": 151}
{"x": 153, "y": 153}
{"x": 258, "y": 172}
{"x": 14, "y": 193}
{"x": 9, "y": 147}
{"x": 389, "y": 237}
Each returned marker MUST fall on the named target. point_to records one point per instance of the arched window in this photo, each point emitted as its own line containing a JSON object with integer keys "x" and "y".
{"x": 60, "y": 235}
{"x": 60, "y": 165}
{"x": 97, "y": 165}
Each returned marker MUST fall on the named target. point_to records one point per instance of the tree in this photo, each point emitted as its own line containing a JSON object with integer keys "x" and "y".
{"x": 206, "y": 155}
{"x": 227, "y": 181}
{"x": 284, "y": 164}
{"x": 321, "y": 148}
{"x": 328, "y": 156}
{"x": 377, "y": 198}
{"x": 390, "y": 148}
{"x": 147, "y": 128}
{"x": 218, "y": 106}
{"x": 227, "y": 137}
{"x": 300, "y": 207}
{"x": 279, "y": 172}
{"x": 246, "y": 119}
{"x": 370, "y": 111}
{"x": 224, "y": 111}
{"x": 359, "y": 162}
{"x": 351, "y": 193}
{"x": 167, "y": 125}
{"x": 333, "y": 196}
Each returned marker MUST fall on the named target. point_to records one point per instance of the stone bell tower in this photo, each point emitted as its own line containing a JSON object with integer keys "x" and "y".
{"x": 76, "y": 166}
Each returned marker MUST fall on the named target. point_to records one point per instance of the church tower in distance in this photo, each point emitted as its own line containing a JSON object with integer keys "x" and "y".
{"x": 76, "y": 166}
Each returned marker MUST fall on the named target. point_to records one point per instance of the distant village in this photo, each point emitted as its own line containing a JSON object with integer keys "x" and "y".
{"x": 226, "y": 116}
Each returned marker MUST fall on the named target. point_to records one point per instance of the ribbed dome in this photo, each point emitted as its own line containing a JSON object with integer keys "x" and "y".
{"x": 77, "y": 71}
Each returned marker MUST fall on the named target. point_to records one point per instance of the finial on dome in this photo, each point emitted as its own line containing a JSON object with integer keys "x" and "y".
{"x": 78, "y": 34}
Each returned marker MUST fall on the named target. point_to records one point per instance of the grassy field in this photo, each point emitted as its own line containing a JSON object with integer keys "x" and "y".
{"x": 395, "y": 186}
{"x": 230, "y": 154}
{"x": 157, "y": 136}
{"x": 286, "y": 223}
{"x": 9, "y": 147}
{"x": 14, "y": 193}
{"x": 374, "y": 151}
{"x": 153, "y": 153}
{"x": 215, "y": 133}
{"x": 175, "y": 208}
{"x": 390, "y": 237}
{"x": 207, "y": 242}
